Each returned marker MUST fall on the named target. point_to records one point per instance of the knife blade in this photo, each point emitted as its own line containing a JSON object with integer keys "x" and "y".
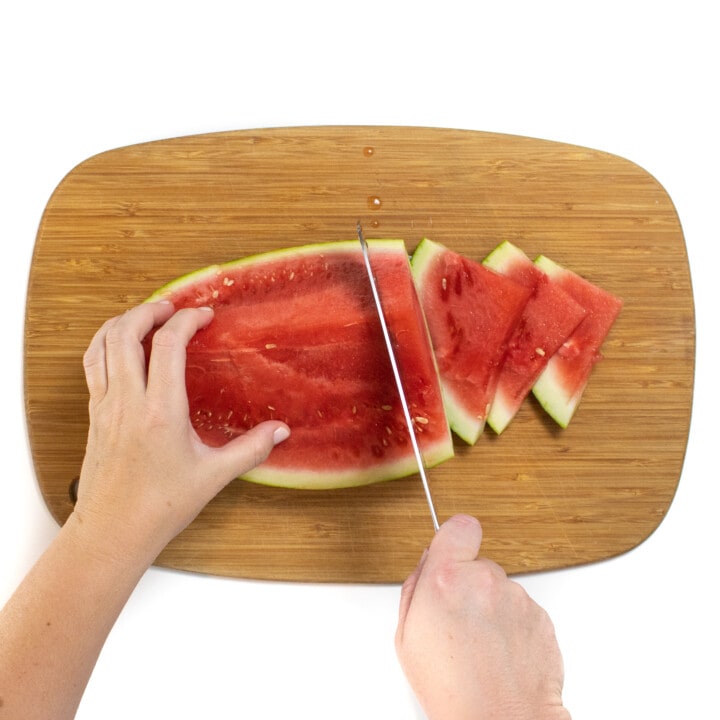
{"x": 398, "y": 379}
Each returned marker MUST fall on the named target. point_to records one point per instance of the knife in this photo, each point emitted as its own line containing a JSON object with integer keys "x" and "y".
{"x": 398, "y": 380}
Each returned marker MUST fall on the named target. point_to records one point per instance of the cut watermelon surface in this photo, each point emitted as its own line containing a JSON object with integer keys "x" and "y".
{"x": 471, "y": 313}
{"x": 296, "y": 337}
{"x": 560, "y": 386}
{"x": 547, "y": 320}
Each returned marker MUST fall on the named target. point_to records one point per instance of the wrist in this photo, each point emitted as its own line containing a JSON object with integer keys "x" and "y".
{"x": 104, "y": 540}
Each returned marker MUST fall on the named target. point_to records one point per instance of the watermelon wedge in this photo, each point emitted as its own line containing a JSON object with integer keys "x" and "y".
{"x": 471, "y": 313}
{"x": 547, "y": 321}
{"x": 296, "y": 337}
{"x": 561, "y": 384}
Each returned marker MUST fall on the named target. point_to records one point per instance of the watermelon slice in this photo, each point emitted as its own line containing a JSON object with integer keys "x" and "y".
{"x": 471, "y": 313}
{"x": 561, "y": 384}
{"x": 547, "y": 321}
{"x": 296, "y": 337}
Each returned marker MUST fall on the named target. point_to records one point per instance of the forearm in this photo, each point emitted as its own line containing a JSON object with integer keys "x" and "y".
{"x": 53, "y": 628}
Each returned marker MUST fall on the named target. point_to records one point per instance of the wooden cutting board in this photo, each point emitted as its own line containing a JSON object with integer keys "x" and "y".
{"x": 126, "y": 221}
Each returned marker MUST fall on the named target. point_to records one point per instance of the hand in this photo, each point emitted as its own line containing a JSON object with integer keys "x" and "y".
{"x": 472, "y": 643}
{"x": 146, "y": 474}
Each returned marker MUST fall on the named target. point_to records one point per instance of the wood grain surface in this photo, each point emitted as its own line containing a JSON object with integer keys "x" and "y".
{"x": 125, "y": 222}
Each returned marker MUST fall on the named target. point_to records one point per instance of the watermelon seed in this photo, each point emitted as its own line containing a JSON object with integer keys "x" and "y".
{"x": 540, "y": 351}
{"x": 270, "y": 346}
{"x": 354, "y": 410}
{"x": 388, "y": 430}
{"x": 386, "y": 407}
{"x": 422, "y": 420}
{"x": 215, "y": 294}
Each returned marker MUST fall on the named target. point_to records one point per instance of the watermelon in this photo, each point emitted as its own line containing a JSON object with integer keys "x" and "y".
{"x": 561, "y": 384}
{"x": 547, "y": 320}
{"x": 296, "y": 337}
{"x": 471, "y": 313}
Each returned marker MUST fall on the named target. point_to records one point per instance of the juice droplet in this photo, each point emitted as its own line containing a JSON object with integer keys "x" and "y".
{"x": 368, "y": 151}
{"x": 374, "y": 202}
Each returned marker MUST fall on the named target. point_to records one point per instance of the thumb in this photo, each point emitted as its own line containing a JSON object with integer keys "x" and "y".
{"x": 250, "y": 449}
{"x": 457, "y": 540}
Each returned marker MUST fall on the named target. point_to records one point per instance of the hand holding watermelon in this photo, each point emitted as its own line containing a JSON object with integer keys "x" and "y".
{"x": 472, "y": 643}
{"x": 147, "y": 474}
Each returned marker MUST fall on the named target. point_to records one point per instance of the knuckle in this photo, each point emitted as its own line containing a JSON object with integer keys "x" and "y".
{"x": 156, "y": 414}
{"x": 116, "y": 335}
{"x": 165, "y": 337}
{"x": 91, "y": 358}
{"x": 260, "y": 451}
{"x": 445, "y": 577}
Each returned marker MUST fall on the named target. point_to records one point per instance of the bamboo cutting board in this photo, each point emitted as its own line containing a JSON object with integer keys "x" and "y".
{"x": 125, "y": 222}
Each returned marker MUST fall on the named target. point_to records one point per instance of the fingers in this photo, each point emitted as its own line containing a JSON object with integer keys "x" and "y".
{"x": 166, "y": 373}
{"x": 94, "y": 362}
{"x": 115, "y": 350}
{"x": 248, "y": 451}
{"x": 408, "y": 590}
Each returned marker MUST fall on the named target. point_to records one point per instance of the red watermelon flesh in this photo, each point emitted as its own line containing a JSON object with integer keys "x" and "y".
{"x": 560, "y": 386}
{"x": 547, "y": 321}
{"x": 296, "y": 337}
{"x": 471, "y": 313}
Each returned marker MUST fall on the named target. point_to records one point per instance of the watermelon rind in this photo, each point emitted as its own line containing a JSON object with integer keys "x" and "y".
{"x": 196, "y": 276}
{"x": 558, "y": 404}
{"x": 503, "y": 256}
{"x": 435, "y": 448}
{"x": 309, "y": 480}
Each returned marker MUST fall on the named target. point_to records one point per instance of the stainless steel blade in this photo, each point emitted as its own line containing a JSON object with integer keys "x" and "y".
{"x": 398, "y": 379}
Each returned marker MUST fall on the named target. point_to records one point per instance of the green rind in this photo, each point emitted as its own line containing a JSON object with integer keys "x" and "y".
{"x": 501, "y": 413}
{"x": 502, "y": 256}
{"x": 306, "y": 480}
{"x": 558, "y": 404}
{"x": 209, "y": 271}
{"x": 548, "y": 266}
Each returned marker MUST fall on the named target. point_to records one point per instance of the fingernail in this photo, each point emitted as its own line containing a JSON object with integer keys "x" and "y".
{"x": 282, "y": 433}
{"x": 205, "y": 308}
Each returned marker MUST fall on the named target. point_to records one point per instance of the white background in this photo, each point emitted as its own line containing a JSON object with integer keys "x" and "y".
{"x": 639, "y": 633}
